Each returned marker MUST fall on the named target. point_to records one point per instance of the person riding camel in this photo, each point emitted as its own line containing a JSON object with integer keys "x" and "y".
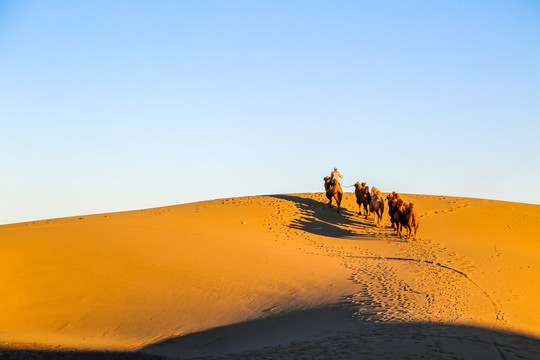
{"x": 335, "y": 175}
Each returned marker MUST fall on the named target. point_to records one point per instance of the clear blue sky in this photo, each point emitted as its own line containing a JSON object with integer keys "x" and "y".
{"x": 118, "y": 105}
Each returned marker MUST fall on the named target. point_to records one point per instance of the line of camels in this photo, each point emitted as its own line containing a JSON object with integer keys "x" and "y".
{"x": 402, "y": 215}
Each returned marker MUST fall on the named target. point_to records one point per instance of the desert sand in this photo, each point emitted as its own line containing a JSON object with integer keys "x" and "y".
{"x": 280, "y": 276}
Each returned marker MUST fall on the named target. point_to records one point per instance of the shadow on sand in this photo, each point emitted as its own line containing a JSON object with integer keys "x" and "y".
{"x": 334, "y": 333}
{"x": 317, "y": 218}
{"x": 331, "y": 332}
{"x": 8, "y": 354}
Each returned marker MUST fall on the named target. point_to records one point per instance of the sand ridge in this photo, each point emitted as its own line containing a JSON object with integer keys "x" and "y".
{"x": 124, "y": 281}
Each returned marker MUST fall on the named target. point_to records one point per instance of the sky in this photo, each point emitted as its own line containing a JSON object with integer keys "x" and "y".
{"x": 120, "y": 105}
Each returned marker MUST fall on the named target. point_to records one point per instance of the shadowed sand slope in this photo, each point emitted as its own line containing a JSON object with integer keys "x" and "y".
{"x": 236, "y": 275}
{"x": 256, "y": 339}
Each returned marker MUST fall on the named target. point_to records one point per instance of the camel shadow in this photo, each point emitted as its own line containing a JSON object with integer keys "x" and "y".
{"x": 317, "y": 218}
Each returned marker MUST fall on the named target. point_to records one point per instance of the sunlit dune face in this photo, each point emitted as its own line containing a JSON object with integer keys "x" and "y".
{"x": 126, "y": 280}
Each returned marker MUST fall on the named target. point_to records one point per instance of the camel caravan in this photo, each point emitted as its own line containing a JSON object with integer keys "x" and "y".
{"x": 402, "y": 215}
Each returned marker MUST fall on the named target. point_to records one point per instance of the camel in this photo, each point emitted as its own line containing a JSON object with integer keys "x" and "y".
{"x": 333, "y": 192}
{"x": 397, "y": 213}
{"x": 377, "y": 205}
{"x": 393, "y": 206}
{"x": 411, "y": 221}
{"x": 363, "y": 198}
{"x": 408, "y": 219}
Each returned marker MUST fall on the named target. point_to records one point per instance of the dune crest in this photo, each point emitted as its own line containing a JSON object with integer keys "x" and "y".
{"x": 123, "y": 281}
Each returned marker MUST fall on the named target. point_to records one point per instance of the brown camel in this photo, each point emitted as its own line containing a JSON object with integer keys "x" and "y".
{"x": 408, "y": 220}
{"x": 412, "y": 221}
{"x": 333, "y": 191}
{"x": 363, "y": 198}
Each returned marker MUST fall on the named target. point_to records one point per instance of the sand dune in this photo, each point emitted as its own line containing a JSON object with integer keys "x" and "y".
{"x": 249, "y": 275}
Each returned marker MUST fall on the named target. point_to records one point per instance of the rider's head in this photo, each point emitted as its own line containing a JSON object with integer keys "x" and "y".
{"x": 335, "y": 169}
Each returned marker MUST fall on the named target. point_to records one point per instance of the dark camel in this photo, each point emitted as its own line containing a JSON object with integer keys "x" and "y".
{"x": 333, "y": 191}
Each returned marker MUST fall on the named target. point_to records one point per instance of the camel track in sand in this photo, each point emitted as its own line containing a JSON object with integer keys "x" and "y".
{"x": 383, "y": 296}
{"x": 352, "y": 227}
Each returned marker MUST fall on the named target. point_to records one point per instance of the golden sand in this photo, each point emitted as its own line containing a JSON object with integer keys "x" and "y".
{"x": 123, "y": 281}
